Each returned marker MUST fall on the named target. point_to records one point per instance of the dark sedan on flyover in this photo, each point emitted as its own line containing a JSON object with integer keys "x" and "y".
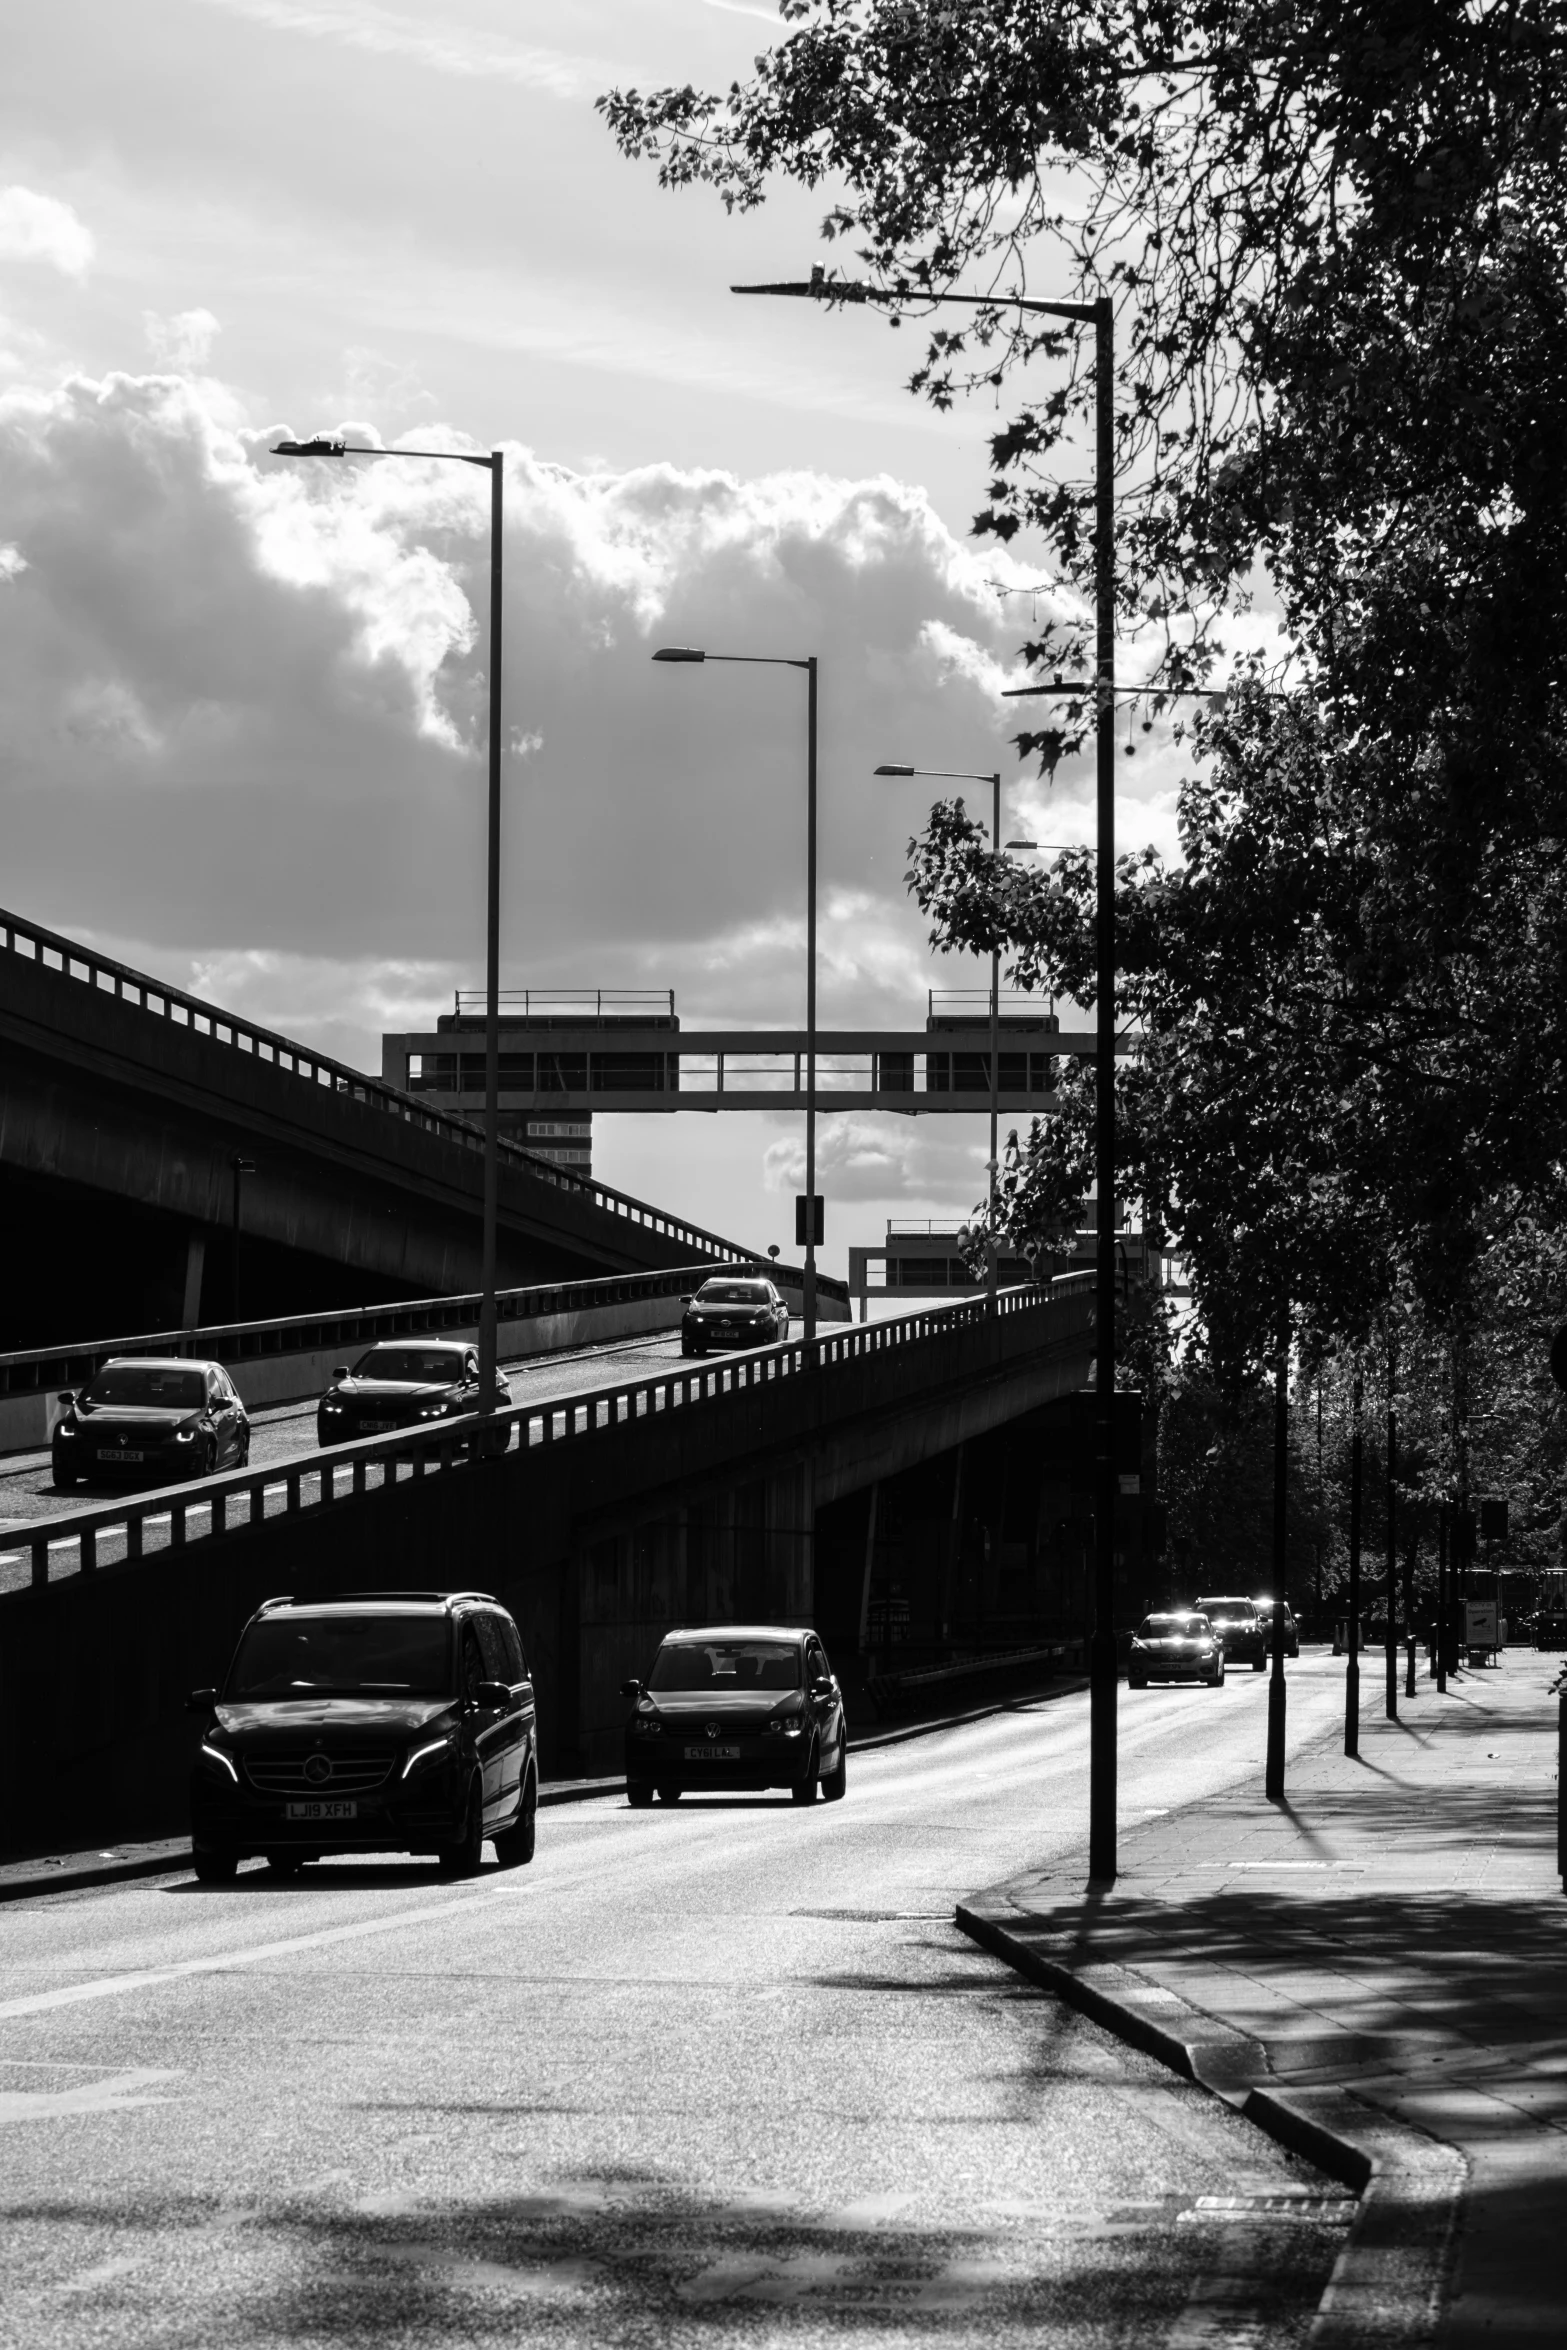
{"x": 154, "y": 1418}
{"x": 732, "y": 1312}
{"x": 402, "y": 1383}
{"x": 737, "y": 1706}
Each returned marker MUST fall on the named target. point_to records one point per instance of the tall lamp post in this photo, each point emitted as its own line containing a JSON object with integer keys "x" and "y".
{"x": 1100, "y": 315}
{"x": 808, "y": 664}
{"x": 963, "y": 775}
{"x": 323, "y": 445}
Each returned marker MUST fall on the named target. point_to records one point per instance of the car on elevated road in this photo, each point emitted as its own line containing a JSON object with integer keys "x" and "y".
{"x": 737, "y": 1706}
{"x": 403, "y": 1383}
{"x": 395, "y": 1721}
{"x": 154, "y": 1418}
{"x": 729, "y": 1311}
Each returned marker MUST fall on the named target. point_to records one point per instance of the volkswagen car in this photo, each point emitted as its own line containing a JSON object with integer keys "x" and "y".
{"x": 373, "y": 1722}
{"x": 402, "y": 1383}
{"x": 1175, "y": 1647}
{"x": 732, "y": 1312}
{"x": 155, "y": 1418}
{"x": 737, "y": 1706}
{"x": 1241, "y": 1629}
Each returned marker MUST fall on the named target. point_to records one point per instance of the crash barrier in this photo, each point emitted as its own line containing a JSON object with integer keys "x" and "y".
{"x": 46, "y": 950}
{"x": 133, "y": 1528}
{"x": 282, "y": 1360}
{"x": 972, "y": 1680}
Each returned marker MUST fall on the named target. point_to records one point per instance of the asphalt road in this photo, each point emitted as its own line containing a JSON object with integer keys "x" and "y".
{"x": 281, "y": 1433}
{"x": 718, "y": 2074}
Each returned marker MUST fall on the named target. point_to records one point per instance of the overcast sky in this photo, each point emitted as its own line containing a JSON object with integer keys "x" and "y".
{"x": 241, "y": 702}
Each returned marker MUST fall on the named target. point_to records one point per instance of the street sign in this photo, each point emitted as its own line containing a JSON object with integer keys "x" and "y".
{"x": 802, "y": 1207}
{"x": 1481, "y": 1628}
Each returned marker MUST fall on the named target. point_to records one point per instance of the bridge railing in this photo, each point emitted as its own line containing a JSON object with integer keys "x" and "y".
{"x": 42, "y": 1370}
{"x": 173, "y": 1516}
{"x": 48, "y": 950}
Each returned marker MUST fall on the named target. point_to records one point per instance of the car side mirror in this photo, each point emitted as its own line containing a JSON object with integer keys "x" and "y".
{"x": 340, "y": 1370}
{"x": 491, "y": 1693}
{"x": 201, "y": 1701}
{"x": 821, "y": 1687}
{"x": 630, "y": 1688}
{"x": 688, "y": 1301}
{"x": 65, "y": 1396}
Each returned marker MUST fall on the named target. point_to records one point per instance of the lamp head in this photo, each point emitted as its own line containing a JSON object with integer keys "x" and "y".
{"x": 678, "y": 653}
{"x": 1020, "y": 844}
{"x": 321, "y": 445}
{"x": 897, "y": 771}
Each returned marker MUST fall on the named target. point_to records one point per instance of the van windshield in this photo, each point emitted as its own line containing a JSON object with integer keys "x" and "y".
{"x": 343, "y": 1656}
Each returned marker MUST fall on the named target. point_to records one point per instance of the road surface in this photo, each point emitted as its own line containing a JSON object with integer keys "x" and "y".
{"x": 721, "y": 2074}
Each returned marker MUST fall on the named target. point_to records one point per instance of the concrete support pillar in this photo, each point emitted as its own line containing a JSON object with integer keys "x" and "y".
{"x": 195, "y": 1260}
{"x": 870, "y": 1563}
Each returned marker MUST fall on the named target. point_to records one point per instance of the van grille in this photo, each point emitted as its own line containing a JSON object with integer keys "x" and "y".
{"x": 347, "y": 1774}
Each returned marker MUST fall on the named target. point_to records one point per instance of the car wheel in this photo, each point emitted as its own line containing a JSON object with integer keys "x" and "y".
{"x": 804, "y": 1790}
{"x": 462, "y": 1858}
{"x": 514, "y": 1846}
{"x": 213, "y": 1864}
{"x": 1259, "y": 1664}
{"x": 639, "y": 1795}
{"x": 285, "y": 1864}
{"x": 65, "y": 1480}
{"x": 1135, "y": 1681}
{"x": 835, "y": 1781}
{"x": 242, "y": 1455}
{"x": 670, "y": 1794}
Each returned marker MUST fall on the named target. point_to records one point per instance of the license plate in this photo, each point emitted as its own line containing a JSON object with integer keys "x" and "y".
{"x": 122, "y": 1453}
{"x": 712, "y": 1754}
{"x": 376, "y": 1427}
{"x": 321, "y": 1811}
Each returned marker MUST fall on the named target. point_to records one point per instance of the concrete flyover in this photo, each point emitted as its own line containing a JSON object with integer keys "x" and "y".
{"x": 693, "y": 1494}
{"x": 124, "y": 1105}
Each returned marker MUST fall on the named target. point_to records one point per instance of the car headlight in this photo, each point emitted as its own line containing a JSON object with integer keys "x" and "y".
{"x": 224, "y": 1762}
{"x": 327, "y": 1405}
{"x": 434, "y": 1411}
{"x": 428, "y": 1752}
{"x": 786, "y": 1725}
{"x": 646, "y": 1726}
{"x": 65, "y": 1427}
{"x": 185, "y": 1435}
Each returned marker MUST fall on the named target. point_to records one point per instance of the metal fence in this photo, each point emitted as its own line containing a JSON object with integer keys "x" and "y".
{"x": 109, "y": 1533}
{"x": 47, "y": 950}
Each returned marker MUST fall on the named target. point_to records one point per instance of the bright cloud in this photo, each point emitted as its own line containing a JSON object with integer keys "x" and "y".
{"x": 41, "y": 228}
{"x": 183, "y": 342}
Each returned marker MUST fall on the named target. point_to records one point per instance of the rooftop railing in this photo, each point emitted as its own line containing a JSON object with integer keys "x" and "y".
{"x": 126, "y": 1530}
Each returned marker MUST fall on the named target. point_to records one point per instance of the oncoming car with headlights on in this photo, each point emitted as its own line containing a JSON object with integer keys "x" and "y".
{"x": 1178, "y": 1646}
{"x": 374, "y": 1722}
{"x": 151, "y": 1417}
{"x": 403, "y": 1383}
{"x": 733, "y": 1312}
{"x": 732, "y": 1706}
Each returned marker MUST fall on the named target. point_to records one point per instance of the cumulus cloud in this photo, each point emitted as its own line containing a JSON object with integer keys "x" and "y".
{"x": 41, "y": 228}
{"x": 243, "y": 713}
{"x": 183, "y": 342}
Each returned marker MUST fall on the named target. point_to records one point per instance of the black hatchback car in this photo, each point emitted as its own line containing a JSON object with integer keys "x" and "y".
{"x": 402, "y": 1383}
{"x": 732, "y": 1312}
{"x": 1241, "y": 1629}
{"x": 730, "y": 1706}
{"x": 375, "y": 1722}
{"x": 155, "y": 1418}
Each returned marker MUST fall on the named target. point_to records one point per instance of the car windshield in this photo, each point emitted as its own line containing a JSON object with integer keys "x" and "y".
{"x": 733, "y": 1293}
{"x": 726, "y": 1665}
{"x": 390, "y": 1656}
{"x": 1172, "y": 1627}
{"x": 1230, "y": 1611}
{"x": 173, "y": 1387}
{"x": 415, "y": 1366}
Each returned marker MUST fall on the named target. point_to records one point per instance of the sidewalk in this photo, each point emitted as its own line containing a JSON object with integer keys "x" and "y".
{"x": 1373, "y": 1971}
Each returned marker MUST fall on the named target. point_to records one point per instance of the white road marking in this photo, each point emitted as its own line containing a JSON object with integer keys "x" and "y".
{"x": 114, "y": 2095}
{"x": 109, "y": 1986}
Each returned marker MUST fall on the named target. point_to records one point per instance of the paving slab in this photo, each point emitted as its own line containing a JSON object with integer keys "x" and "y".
{"x": 1371, "y": 1969}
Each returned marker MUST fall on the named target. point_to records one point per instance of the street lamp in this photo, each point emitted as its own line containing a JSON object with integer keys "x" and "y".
{"x": 965, "y": 775}
{"x": 1100, "y": 315}
{"x": 808, "y": 664}
{"x": 323, "y": 445}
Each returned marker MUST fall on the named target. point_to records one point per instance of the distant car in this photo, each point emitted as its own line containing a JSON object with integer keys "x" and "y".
{"x": 372, "y": 1722}
{"x": 1240, "y": 1628}
{"x": 402, "y": 1383}
{"x": 153, "y": 1417}
{"x": 737, "y": 1706}
{"x": 733, "y": 1312}
{"x": 1264, "y": 1609}
{"x": 1178, "y": 1646}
